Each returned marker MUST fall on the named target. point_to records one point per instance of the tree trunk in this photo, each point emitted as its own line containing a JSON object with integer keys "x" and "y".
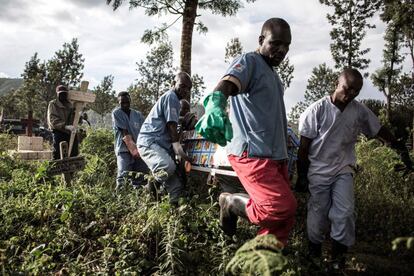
{"x": 350, "y": 40}
{"x": 410, "y": 44}
{"x": 189, "y": 16}
{"x": 389, "y": 106}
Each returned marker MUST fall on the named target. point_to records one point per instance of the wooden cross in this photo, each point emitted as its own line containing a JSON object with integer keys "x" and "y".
{"x": 79, "y": 99}
{"x": 29, "y": 123}
{"x": 67, "y": 165}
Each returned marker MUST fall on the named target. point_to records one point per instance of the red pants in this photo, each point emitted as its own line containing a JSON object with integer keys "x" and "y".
{"x": 272, "y": 204}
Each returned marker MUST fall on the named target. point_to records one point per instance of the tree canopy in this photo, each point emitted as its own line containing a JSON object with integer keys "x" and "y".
{"x": 185, "y": 10}
{"x": 105, "y": 97}
{"x": 349, "y": 21}
{"x": 40, "y": 79}
{"x": 321, "y": 83}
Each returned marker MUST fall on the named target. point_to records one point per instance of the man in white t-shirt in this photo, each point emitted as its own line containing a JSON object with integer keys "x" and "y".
{"x": 329, "y": 129}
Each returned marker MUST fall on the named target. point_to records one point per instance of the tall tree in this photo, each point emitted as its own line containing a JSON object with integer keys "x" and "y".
{"x": 400, "y": 12}
{"x": 141, "y": 99}
{"x": 233, "y": 49}
{"x": 349, "y": 21}
{"x": 156, "y": 71}
{"x": 65, "y": 67}
{"x": 404, "y": 106}
{"x": 386, "y": 78}
{"x": 105, "y": 97}
{"x": 321, "y": 83}
{"x": 27, "y": 95}
{"x": 197, "y": 89}
{"x": 405, "y": 97}
{"x": 187, "y": 10}
{"x": 10, "y": 105}
{"x": 41, "y": 78}
{"x": 375, "y": 105}
{"x": 285, "y": 72}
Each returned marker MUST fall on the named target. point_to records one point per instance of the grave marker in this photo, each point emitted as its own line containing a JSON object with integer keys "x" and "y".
{"x": 79, "y": 99}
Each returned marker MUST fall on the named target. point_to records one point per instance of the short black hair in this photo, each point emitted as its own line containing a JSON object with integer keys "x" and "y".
{"x": 348, "y": 71}
{"x": 274, "y": 22}
{"x": 123, "y": 94}
{"x": 184, "y": 103}
{"x": 182, "y": 75}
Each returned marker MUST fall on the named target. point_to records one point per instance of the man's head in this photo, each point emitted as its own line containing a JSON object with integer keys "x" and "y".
{"x": 185, "y": 107}
{"x": 182, "y": 85}
{"x": 62, "y": 93}
{"x": 124, "y": 100}
{"x": 349, "y": 85}
{"x": 274, "y": 40}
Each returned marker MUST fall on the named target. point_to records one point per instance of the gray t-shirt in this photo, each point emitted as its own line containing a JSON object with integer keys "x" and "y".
{"x": 258, "y": 113}
{"x": 334, "y": 134}
{"x": 154, "y": 128}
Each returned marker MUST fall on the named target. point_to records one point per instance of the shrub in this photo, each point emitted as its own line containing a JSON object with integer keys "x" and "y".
{"x": 7, "y": 142}
{"x": 384, "y": 198}
{"x": 86, "y": 227}
{"x": 98, "y": 148}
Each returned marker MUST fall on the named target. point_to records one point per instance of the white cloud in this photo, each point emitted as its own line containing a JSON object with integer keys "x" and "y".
{"x": 4, "y": 75}
{"x": 110, "y": 41}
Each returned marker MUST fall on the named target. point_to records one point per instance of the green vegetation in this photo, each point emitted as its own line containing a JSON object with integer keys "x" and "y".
{"x": 7, "y": 85}
{"x": 48, "y": 227}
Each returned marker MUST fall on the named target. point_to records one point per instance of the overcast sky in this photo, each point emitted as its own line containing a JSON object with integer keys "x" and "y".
{"x": 110, "y": 41}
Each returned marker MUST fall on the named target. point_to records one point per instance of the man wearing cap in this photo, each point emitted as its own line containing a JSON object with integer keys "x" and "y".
{"x": 126, "y": 123}
{"x": 60, "y": 114}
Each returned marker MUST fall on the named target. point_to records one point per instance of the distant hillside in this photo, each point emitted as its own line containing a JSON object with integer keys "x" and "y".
{"x": 6, "y": 85}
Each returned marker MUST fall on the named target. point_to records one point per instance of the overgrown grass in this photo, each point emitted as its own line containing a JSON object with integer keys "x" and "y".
{"x": 48, "y": 227}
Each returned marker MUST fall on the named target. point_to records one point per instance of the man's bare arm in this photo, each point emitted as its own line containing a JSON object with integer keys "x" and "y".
{"x": 303, "y": 164}
{"x": 172, "y": 131}
{"x": 228, "y": 88}
{"x": 385, "y": 135}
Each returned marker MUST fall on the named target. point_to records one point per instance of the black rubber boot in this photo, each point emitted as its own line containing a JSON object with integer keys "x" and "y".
{"x": 338, "y": 255}
{"x": 315, "y": 250}
{"x": 315, "y": 256}
{"x": 232, "y": 206}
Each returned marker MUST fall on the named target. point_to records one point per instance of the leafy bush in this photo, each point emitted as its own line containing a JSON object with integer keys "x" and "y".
{"x": 7, "y": 163}
{"x": 86, "y": 228}
{"x": 384, "y": 198}
{"x": 7, "y": 142}
{"x": 98, "y": 147}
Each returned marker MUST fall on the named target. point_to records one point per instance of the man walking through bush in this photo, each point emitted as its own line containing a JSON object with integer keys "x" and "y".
{"x": 258, "y": 150}
{"x": 329, "y": 129}
{"x": 126, "y": 123}
{"x": 158, "y": 141}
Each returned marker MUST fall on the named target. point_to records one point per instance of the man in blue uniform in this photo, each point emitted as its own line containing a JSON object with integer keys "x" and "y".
{"x": 126, "y": 123}
{"x": 158, "y": 141}
{"x": 258, "y": 151}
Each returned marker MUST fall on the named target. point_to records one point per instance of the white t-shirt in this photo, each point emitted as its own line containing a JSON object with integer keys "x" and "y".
{"x": 334, "y": 134}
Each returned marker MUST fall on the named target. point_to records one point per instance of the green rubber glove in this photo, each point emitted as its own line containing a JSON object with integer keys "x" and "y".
{"x": 215, "y": 125}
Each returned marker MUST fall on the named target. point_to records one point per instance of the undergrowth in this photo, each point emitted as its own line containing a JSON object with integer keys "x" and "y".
{"x": 48, "y": 227}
